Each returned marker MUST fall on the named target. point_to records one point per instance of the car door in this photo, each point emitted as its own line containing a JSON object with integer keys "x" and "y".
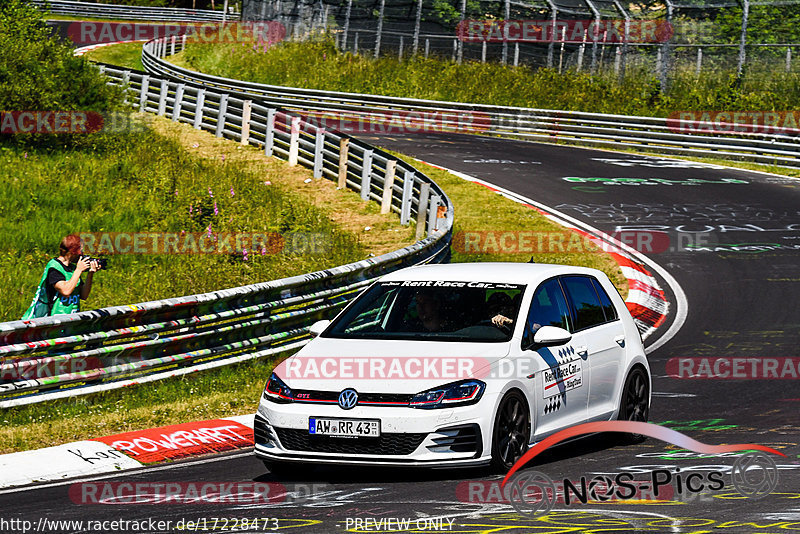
{"x": 560, "y": 382}
{"x": 596, "y": 319}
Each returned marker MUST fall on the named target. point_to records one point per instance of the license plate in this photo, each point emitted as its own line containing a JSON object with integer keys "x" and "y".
{"x": 351, "y": 428}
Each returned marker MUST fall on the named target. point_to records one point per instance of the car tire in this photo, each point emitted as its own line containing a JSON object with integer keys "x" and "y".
{"x": 634, "y": 404}
{"x": 511, "y": 432}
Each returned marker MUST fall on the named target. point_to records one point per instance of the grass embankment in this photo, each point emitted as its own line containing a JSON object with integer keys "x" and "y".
{"x": 150, "y": 183}
{"x": 128, "y": 55}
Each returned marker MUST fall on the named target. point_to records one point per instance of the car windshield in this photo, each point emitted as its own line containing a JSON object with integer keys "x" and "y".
{"x": 432, "y": 310}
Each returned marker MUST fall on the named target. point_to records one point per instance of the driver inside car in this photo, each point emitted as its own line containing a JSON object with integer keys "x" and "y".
{"x": 500, "y": 306}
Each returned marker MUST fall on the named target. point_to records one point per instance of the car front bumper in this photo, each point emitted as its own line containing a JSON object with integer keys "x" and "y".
{"x": 449, "y": 437}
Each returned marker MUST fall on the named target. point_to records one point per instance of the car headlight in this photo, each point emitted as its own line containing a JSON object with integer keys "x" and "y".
{"x": 277, "y": 391}
{"x": 454, "y": 394}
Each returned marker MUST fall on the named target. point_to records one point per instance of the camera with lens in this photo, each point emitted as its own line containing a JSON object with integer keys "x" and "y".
{"x": 102, "y": 261}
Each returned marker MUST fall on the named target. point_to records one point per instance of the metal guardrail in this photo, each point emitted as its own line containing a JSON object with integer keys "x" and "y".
{"x": 596, "y": 129}
{"x": 68, "y": 355}
{"x": 124, "y": 12}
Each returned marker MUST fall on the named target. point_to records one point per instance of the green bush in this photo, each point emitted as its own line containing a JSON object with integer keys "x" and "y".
{"x": 38, "y": 72}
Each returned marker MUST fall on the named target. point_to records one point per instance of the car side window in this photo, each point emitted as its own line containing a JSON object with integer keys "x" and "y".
{"x": 548, "y": 308}
{"x": 586, "y": 307}
{"x": 605, "y": 301}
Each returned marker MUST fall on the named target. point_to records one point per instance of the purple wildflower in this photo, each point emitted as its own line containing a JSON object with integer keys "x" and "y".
{"x": 216, "y": 211}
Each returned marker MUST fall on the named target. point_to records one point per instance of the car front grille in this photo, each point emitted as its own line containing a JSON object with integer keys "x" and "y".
{"x": 365, "y": 399}
{"x": 386, "y": 444}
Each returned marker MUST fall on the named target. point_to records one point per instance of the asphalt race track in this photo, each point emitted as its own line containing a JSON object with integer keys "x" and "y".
{"x": 734, "y": 248}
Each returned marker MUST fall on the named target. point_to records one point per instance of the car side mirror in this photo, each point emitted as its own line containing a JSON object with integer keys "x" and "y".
{"x": 317, "y": 328}
{"x": 549, "y": 336}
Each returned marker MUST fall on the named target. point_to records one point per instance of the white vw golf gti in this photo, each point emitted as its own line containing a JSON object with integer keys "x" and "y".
{"x": 456, "y": 365}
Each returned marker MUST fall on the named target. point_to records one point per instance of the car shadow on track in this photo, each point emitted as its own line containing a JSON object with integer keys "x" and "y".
{"x": 570, "y": 452}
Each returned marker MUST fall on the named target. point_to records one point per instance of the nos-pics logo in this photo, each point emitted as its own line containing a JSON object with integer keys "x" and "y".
{"x": 754, "y": 474}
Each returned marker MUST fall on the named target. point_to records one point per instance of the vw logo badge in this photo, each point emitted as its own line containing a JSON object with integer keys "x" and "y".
{"x": 348, "y": 398}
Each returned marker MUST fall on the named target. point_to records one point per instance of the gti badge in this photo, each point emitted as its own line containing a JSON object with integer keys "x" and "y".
{"x": 348, "y": 398}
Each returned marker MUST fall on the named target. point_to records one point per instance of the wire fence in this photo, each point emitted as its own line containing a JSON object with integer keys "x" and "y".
{"x": 585, "y": 35}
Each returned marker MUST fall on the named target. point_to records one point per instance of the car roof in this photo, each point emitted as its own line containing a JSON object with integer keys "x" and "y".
{"x": 510, "y": 273}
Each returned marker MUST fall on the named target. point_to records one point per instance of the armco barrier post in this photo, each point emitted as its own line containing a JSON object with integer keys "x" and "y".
{"x": 221, "y": 114}
{"x": 126, "y": 82}
{"x": 388, "y": 186}
{"x": 318, "y": 153}
{"x": 269, "y": 135}
{"x": 344, "y": 150}
{"x": 176, "y": 108}
{"x": 432, "y": 213}
{"x": 247, "y": 109}
{"x": 198, "y": 109}
{"x": 424, "y": 193}
{"x": 294, "y": 142}
{"x": 162, "y": 99}
{"x": 172, "y": 46}
{"x": 145, "y": 90}
{"x": 405, "y": 205}
{"x": 366, "y": 174}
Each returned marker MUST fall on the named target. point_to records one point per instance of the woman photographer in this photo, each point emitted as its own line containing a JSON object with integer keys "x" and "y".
{"x": 61, "y": 288}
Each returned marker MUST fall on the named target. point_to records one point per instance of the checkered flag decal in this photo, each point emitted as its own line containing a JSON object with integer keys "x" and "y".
{"x": 553, "y": 404}
{"x": 565, "y": 354}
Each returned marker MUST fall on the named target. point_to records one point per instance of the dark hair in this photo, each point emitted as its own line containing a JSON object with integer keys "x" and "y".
{"x": 71, "y": 244}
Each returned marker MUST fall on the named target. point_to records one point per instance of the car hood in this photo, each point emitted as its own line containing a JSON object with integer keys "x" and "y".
{"x": 387, "y": 366}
